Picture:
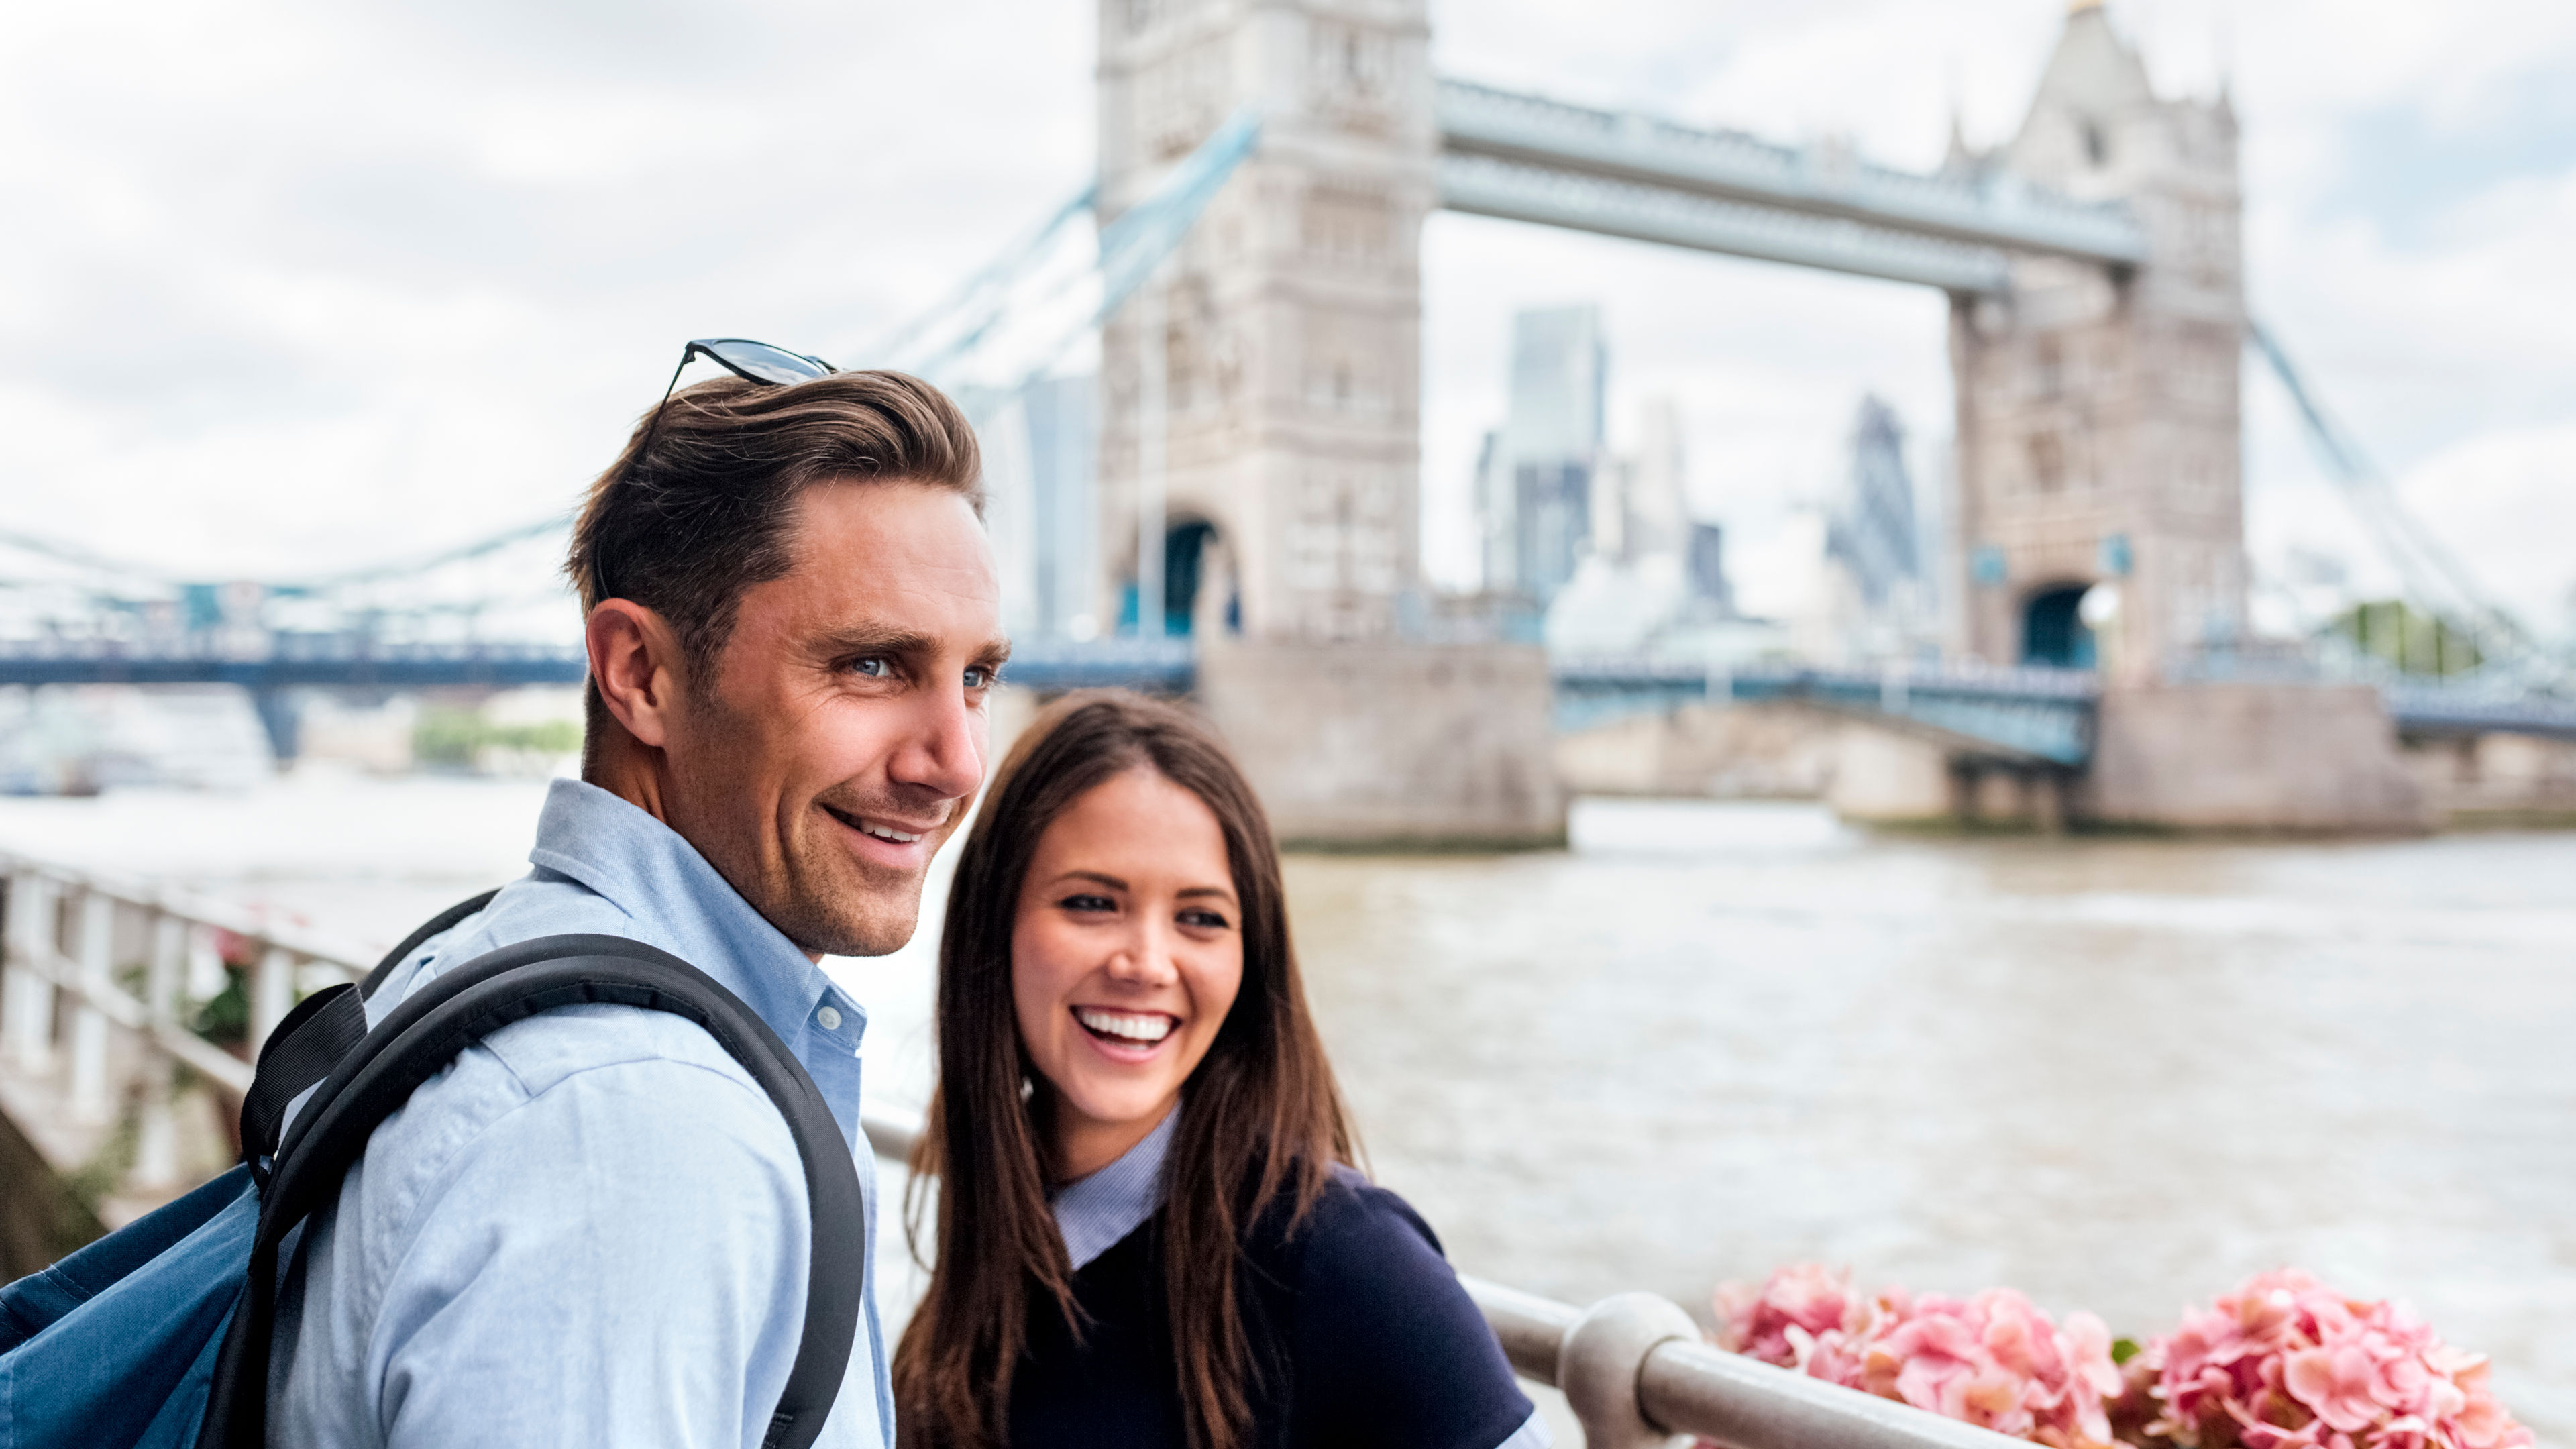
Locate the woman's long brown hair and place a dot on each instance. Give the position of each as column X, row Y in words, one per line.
column 1261, row 1116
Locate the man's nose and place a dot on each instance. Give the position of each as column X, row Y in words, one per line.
column 944, row 755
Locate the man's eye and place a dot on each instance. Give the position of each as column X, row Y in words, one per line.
column 1088, row 903
column 872, row 668
column 978, row 677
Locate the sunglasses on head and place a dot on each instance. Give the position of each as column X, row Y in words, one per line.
column 744, row 358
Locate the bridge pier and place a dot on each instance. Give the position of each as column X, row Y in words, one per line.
column 1391, row 745
column 1891, row 776
column 2017, row 794
column 2259, row 756
column 281, row 715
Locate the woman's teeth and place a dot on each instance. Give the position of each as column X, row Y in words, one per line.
column 1138, row 1026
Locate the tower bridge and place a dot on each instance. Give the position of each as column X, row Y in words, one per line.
column 1262, row 388
column 1265, row 170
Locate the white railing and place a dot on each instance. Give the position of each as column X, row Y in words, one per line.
column 1633, row 1368
column 95, row 1009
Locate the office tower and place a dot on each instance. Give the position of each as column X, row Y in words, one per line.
column 1537, row 478
column 1872, row 532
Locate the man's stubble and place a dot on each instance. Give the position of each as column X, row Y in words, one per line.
column 794, row 871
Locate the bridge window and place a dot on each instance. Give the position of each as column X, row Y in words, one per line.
column 2054, row 635
column 2097, row 144
column 2047, row 462
column 2047, row 368
column 1185, row 547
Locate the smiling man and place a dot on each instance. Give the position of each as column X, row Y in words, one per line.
column 592, row 1229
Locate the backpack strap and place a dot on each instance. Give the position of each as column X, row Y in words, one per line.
column 444, row 921
column 316, row 1036
column 426, row 1031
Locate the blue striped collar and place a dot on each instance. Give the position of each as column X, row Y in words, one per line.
column 1095, row 1212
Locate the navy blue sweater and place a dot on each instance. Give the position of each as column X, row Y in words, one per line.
column 1361, row 1336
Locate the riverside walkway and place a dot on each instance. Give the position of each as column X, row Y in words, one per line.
column 111, row 1083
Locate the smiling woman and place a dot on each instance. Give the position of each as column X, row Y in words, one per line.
column 1150, row 1231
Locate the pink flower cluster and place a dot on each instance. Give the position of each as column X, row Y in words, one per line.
column 1992, row 1360
column 2282, row 1363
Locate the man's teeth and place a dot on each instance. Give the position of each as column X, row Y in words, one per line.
column 882, row 833
column 1133, row 1025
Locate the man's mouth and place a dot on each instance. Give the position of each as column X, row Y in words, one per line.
column 1139, row 1028
column 878, row 828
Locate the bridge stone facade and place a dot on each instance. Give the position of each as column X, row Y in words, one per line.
column 1286, row 373
column 2098, row 408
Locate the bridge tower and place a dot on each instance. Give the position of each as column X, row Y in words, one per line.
column 2097, row 412
column 1279, row 405
column 1261, row 394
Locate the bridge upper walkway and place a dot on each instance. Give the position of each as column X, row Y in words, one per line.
column 1619, row 173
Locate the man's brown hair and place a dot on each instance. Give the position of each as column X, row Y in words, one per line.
column 704, row 513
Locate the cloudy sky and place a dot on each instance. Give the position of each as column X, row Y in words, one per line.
column 294, row 287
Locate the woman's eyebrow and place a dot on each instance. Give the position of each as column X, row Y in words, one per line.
column 1220, row 892
column 1096, row 877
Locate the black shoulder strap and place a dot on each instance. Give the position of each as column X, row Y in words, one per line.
column 312, row 1039
column 444, row 921
column 461, row 1007
column 300, row 1051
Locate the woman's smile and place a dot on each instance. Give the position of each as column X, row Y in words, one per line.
column 1127, row 1036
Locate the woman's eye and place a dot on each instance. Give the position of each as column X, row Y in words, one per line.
column 1204, row 920
column 1088, row 903
column 871, row 668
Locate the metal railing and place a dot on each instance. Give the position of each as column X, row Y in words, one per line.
column 1636, row 1370
column 83, row 1025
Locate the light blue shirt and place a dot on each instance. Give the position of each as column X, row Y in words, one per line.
column 1094, row 1212
column 592, row 1228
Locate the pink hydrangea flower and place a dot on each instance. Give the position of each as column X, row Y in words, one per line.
column 2283, row 1363
column 1993, row 1360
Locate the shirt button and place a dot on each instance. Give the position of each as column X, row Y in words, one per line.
column 828, row 1019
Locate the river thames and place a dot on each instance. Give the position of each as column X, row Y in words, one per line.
column 2119, row 1074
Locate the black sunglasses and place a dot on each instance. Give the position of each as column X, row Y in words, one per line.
column 744, row 358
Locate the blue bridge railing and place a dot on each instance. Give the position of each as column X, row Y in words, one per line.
column 2025, row 716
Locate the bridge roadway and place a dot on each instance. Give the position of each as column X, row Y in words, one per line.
column 2026, row 716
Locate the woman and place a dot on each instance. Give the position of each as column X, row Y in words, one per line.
column 1149, row 1229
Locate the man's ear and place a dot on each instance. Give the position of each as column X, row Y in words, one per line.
column 635, row 662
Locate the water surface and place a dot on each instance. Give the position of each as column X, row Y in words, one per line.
column 1710, row 1038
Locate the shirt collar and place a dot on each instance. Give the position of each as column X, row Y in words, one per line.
column 1095, row 1212
column 679, row 902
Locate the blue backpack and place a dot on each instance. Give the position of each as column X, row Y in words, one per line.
column 157, row 1335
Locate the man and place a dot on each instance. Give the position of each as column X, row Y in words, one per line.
column 592, row 1228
